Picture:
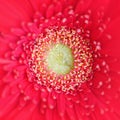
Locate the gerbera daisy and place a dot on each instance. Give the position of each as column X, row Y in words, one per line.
column 59, row 60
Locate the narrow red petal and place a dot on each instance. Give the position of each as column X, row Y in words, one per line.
column 12, row 12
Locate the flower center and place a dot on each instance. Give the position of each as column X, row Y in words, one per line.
column 60, row 59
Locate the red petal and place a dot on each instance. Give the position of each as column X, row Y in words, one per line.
column 82, row 5
column 13, row 12
column 111, row 42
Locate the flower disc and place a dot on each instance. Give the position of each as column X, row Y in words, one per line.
column 61, row 59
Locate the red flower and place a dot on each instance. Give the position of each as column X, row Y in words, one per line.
column 59, row 60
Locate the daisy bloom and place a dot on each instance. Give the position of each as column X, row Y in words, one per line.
column 59, row 60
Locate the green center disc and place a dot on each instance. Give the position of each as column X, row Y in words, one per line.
column 60, row 59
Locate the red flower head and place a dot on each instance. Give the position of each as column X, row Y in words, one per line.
column 59, row 60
